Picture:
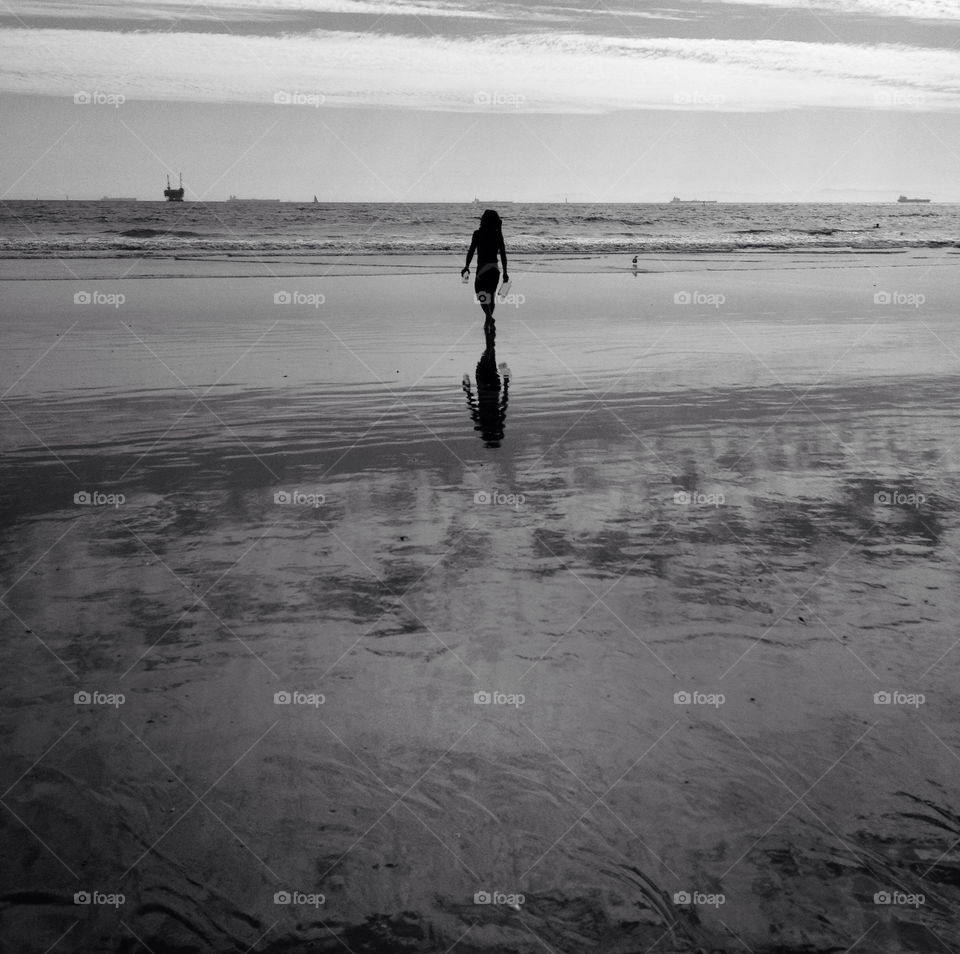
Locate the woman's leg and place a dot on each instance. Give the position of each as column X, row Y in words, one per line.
column 485, row 287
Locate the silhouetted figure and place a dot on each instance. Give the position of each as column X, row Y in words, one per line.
column 488, row 244
column 489, row 408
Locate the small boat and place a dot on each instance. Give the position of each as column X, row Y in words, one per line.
column 903, row 198
column 315, row 199
column 171, row 194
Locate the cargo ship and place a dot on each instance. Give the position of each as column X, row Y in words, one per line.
column 903, row 198
column 676, row 200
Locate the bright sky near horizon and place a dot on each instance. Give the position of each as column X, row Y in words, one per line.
column 418, row 100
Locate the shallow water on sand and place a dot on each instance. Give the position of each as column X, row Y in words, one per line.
column 678, row 553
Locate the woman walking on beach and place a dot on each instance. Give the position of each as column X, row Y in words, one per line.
column 487, row 243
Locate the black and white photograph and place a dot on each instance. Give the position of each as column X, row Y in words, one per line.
column 480, row 478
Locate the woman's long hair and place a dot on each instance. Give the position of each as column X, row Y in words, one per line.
column 490, row 222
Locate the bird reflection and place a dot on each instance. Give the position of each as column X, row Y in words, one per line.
column 488, row 407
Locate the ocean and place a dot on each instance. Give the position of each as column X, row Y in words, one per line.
column 251, row 228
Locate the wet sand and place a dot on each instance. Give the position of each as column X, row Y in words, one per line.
column 708, row 532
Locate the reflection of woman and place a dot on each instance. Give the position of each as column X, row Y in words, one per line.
column 488, row 409
column 488, row 244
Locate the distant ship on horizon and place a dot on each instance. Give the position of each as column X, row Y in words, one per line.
column 676, row 200
column 119, row 198
column 234, row 198
column 171, row 194
column 903, row 198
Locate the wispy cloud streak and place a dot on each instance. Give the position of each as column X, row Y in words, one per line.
column 537, row 72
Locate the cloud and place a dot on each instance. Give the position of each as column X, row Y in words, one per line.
column 912, row 9
column 522, row 72
column 241, row 10
column 230, row 11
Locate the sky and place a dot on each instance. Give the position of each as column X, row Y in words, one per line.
column 447, row 100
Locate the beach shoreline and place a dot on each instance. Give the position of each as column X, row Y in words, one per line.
column 148, row 263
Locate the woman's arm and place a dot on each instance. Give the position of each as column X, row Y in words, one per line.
column 473, row 248
column 503, row 258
